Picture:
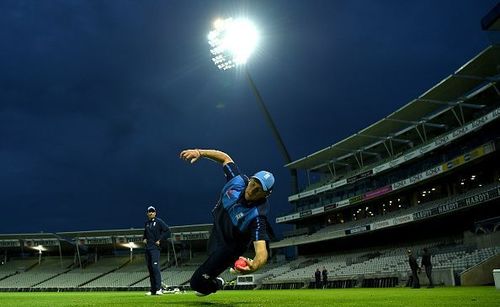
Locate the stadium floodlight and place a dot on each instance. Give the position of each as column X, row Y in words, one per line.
column 39, row 248
column 232, row 41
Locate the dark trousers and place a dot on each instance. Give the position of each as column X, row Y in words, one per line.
column 415, row 282
column 153, row 262
column 428, row 272
column 204, row 278
column 318, row 283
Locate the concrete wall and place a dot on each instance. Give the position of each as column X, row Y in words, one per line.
column 481, row 274
column 440, row 277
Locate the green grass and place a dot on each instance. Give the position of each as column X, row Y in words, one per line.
column 456, row 296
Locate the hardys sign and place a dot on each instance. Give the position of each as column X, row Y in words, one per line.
column 478, row 198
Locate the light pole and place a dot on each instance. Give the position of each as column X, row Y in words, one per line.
column 232, row 41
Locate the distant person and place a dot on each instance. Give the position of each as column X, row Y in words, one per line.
column 240, row 218
column 155, row 230
column 415, row 283
column 426, row 263
column 317, row 278
column 324, row 274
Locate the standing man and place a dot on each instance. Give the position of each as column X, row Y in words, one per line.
column 426, row 262
column 317, row 278
column 155, row 230
column 414, row 269
column 325, row 277
column 240, row 218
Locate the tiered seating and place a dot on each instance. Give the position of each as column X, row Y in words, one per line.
column 178, row 276
column 271, row 271
column 331, row 263
column 48, row 268
column 16, row 265
column 386, row 265
column 78, row 277
column 117, row 272
column 390, row 262
column 462, row 261
column 338, row 229
column 125, row 276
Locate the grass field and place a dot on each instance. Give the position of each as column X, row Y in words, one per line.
column 457, row 296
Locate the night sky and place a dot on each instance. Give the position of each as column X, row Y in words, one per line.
column 97, row 98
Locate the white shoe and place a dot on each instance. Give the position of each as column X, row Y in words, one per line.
column 159, row 292
column 222, row 281
column 148, row 293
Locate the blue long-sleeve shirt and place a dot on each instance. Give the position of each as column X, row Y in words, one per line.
column 155, row 230
column 238, row 223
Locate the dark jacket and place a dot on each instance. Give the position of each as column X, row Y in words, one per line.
column 413, row 263
column 155, row 230
column 426, row 259
column 317, row 275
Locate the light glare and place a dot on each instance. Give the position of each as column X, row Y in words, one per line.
column 232, row 41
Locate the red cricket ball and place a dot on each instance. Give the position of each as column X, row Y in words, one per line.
column 240, row 264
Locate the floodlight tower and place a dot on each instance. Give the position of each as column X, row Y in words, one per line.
column 232, row 41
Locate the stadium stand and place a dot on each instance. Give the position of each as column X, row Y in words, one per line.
column 423, row 170
column 80, row 277
column 101, row 260
column 16, row 266
column 37, row 273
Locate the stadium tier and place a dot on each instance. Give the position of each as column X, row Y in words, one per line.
column 431, row 162
column 346, row 269
column 428, row 170
column 98, row 259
